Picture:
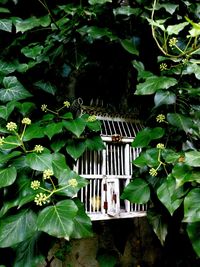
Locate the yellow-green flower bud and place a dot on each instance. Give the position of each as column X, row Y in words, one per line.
column 35, row 184
column 92, row 118
column 66, row 104
column 41, row 199
column 38, row 148
column 44, row 107
column 160, row 146
column 26, row 121
column 173, row 41
column 47, row 174
column 11, row 126
column 153, row 172
column 160, row 118
column 163, row 66
column 73, row 182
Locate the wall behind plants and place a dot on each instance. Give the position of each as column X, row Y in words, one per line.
column 51, row 54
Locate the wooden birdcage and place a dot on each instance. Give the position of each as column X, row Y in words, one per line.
column 108, row 171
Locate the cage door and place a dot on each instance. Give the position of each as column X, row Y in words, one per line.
column 111, row 196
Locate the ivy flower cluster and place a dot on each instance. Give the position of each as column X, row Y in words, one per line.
column 11, row 126
column 92, row 118
column 44, row 107
column 47, row 174
column 163, row 66
column 73, row 182
column 41, row 199
column 153, row 172
column 26, row 121
column 35, row 184
column 173, row 41
column 38, row 148
column 160, row 118
column 160, row 146
column 66, row 104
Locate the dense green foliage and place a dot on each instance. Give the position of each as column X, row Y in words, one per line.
column 48, row 48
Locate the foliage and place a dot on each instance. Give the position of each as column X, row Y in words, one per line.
column 45, row 46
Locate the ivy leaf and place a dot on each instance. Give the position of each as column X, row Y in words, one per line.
column 129, row 47
column 46, row 86
column 8, row 176
column 137, row 191
column 175, row 29
column 52, row 129
column 99, row 2
column 6, row 67
column 164, row 98
column 12, row 142
column 170, row 8
column 39, row 162
column 193, row 230
column 26, row 107
column 95, row 143
column 142, row 73
column 59, row 164
column 58, row 144
column 184, row 173
column 192, row 158
column 6, row 110
column 191, row 206
column 145, row 136
column 75, row 148
column 153, row 84
column 148, row 158
column 82, row 223
column 57, row 220
column 158, row 223
column 32, row 51
column 126, row 10
column 14, row 90
column 17, row 228
column 76, row 126
column 33, row 131
column 6, row 25
column 180, row 121
column 169, row 195
column 193, row 68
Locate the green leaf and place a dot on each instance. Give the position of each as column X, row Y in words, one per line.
column 82, row 223
column 164, row 98
column 46, row 86
column 59, row 164
column 169, row 7
column 158, row 223
column 14, row 90
column 130, row 47
column 180, row 121
column 145, row 136
column 7, row 156
column 94, row 125
column 192, row 158
column 6, row 110
column 98, row 2
column 52, row 129
column 184, row 173
column 63, row 181
column 153, row 84
column 193, row 68
column 107, row 260
column 148, row 158
column 39, row 162
column 32, row 51
column 11, row 142
column 6, row 67
column 7, row 176
column 191, row 206
column 6, row 25
column 137, row 191
column 33, row 131
column 57, row 220
column 126, row 11
column 58, row 144
column 76, row 126
column 193, row 230
column 75, row 148
column 169, row 195
column 95, row 143
column 17, row 228
column 95, row 32
column 175, row 29
column 142, row 74
column 31, row 22
column 25, row 108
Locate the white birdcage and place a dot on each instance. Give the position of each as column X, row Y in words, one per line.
column 108, row 171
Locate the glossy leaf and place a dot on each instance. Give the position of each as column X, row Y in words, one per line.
column 52, row 129
column 164, row 98
column 59, row 164
column 14, row 90
column 193, row 230
column 33, row 131
column 191, row 206
column 6, row 67
column 7, row 176
column 192, row 158
column 144, row 137
column 129, row 47
column 169, row 195
column 39, row 162
column 57, row 220
column 175, row 29
column 46, row 86
column 153, row 84
column 6, row 110
column 32, row 51
column 75, row 148
column 17, row 228
column 137, row 191
column 158, row 223
column 82, row 223
column 100, row 2
column 76, row 126
column 180, row 121
column 6, row 25
column 95, row 143
column 148, row 158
